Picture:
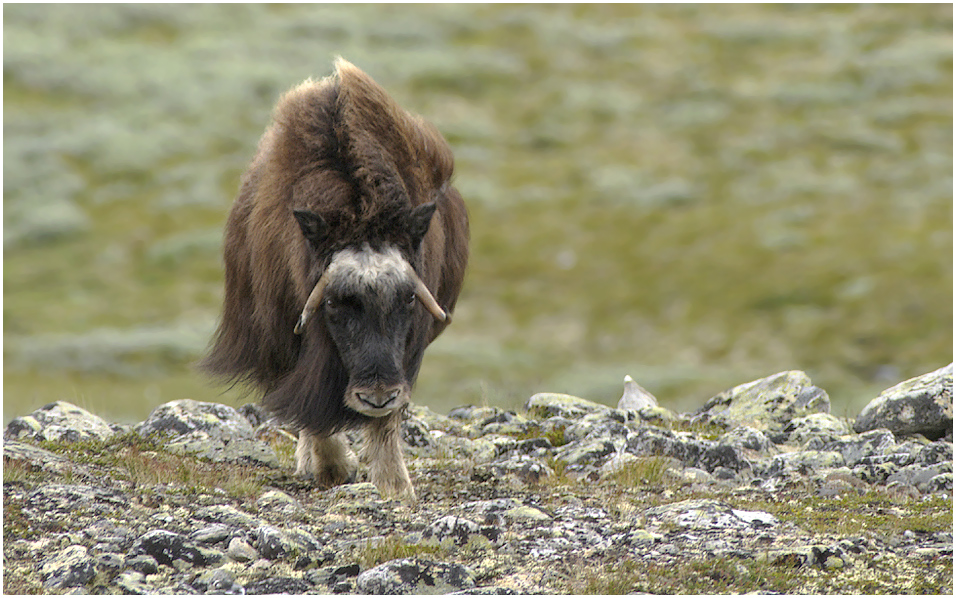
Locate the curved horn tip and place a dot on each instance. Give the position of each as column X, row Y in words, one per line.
column 300, row 325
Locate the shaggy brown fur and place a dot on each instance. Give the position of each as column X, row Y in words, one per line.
column 343, row 149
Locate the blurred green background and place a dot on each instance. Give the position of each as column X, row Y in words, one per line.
column 696, row 196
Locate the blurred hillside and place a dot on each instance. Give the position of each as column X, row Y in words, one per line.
column 696, row 196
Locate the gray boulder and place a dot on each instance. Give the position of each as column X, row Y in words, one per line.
column 207, row 430
column 707, row 514
column 59, row 422
column 545, row 404
column 67, row 569
column 766, row 404
column 415, row 576
column 921, row 405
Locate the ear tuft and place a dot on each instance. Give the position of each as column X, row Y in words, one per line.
column 419, row 220
column 313, row 226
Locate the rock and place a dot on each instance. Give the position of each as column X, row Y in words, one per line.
column 107, row 566
column 167, row 547
column 706, row 514
column 921, row 405
column 218, row 581
column 67, row 569
column 207, row 430
column 545, row 405
column 801, row 463
column 59, row 422
column 456, row 530
column 254, row 414
column 132, row 583
column 69, row 499
column 241, row 551
column 212, row 534
column 272, row 543
column 525, row 513
column 227, row 515
column 854, row 448
column 143, row 563
column 520, row 468
column 44, row 460
column 920, row 476
column 745, row 438
column 471, row 413
column 687, row 448
column 588, row 456
column 635, row 397
column 766, row 404
column 816, row 426
column 416, row 435
column 603, row 424
column 414, row 576
column 332, row 576
column 278, row 585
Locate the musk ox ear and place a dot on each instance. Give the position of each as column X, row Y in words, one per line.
column 418, row 222
column 313, row 226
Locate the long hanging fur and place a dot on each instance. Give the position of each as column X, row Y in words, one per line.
column 342, row 148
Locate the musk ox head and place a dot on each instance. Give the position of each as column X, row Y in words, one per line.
column 368, row 298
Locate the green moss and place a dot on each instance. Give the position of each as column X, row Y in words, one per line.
column 392, row 547
column 644, row 471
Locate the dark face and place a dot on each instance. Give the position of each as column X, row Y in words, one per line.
column 368, row 307
column 369, row 299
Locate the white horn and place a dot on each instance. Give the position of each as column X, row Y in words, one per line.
column 425, row 296
column 312, row 303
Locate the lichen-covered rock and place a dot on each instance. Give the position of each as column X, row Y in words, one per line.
column 276, row 500
column 218, row 581
column 920, row 476
column 706, row 514
column 241, row 551
column 766, row 404
column 167, row 547
column 42, row 459
column 545, row 405
column 603, row 424
column 589, row 455
column 456, row 530
column 921, row 405
column 73, row 499
column 745, row 438
column 69, row 568
column 59, row 422
column 278, row 585
column 818, row 426
column 227, row 515
column 854, row 448
column 207, row 430
column 801, row 463
column 524, row 469
column 415, row 576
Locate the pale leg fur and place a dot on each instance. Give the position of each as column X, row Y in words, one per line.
column 383, row 453
column 326, row 459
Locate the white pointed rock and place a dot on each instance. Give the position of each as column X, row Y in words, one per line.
column 635, row 397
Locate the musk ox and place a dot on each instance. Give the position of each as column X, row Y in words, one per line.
column 344, row 256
